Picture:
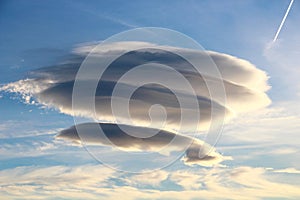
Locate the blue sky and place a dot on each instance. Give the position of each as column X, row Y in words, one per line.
column 263, row 144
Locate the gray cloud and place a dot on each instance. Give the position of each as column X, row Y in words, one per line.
column 245, row 86
column 60, row 96
column 164, row 142
column 245, row 90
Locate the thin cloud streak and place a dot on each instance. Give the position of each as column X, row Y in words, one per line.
column 283, row 20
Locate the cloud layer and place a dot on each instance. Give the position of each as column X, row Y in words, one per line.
column 95, row 182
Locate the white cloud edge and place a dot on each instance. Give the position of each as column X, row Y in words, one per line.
column 84, row 182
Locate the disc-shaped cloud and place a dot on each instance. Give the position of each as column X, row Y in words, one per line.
column 245, row 89
column 245, row 86
column 163, row 142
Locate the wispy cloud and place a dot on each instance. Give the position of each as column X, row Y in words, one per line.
column 288, row 170
column 97, row 182
column 102, row 15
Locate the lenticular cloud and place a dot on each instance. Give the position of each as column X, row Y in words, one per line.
column 114, row 135
column 245, row 89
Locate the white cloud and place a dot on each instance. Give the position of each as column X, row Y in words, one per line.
column 283, row 58
column 41, row 182
column 153, row 178
column 276, row 125
column 97, row 182
column 26, row 148
column 189, row 180
column 288, row 170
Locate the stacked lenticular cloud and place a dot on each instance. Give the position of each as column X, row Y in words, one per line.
column 245, row 89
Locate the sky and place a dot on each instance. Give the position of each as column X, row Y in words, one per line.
column 43, row 156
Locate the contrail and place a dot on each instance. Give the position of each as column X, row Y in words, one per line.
column 283, row 20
